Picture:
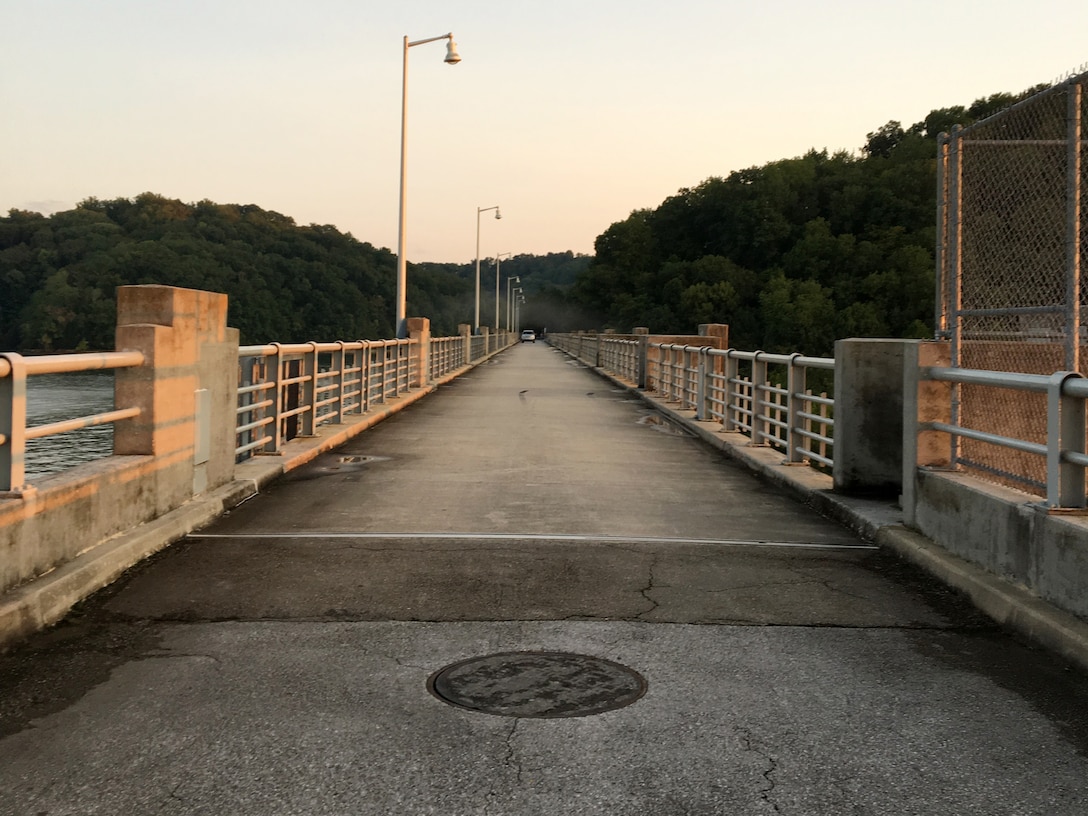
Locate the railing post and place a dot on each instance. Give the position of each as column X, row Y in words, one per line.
column 732, row 374
column 308, row 391
column 364, row 376
column 702, row 386
column 1064, row 432
column 277, row 398
column 759, row 385
column 923, row 401
column 13, row 426
column 795, row 387
column 339, row 362
column 643, row 335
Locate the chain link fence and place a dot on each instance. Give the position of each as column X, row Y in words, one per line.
column 1012, row 204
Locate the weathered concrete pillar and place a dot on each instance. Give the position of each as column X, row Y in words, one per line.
column 718, row 330
column 464, row 331
column 419, row 330
column 869, row 415
column 187, row 390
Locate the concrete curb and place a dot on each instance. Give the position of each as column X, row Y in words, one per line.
column 881, row 522
column 48, row 598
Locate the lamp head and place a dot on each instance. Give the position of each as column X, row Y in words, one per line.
column 498, row 214
column 452, row 57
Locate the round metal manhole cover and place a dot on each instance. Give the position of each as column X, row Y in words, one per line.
column 537, row 684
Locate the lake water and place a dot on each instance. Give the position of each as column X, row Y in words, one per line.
column 55, row 397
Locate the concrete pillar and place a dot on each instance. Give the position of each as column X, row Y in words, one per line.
column 187, row 390
column 464, row 331
column 869, row 416
column 716, row 330
column 419, row 330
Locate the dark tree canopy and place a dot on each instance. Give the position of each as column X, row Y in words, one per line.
column 793, row 254
column 286, row 282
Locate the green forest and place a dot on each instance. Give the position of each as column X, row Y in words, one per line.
column 286, row 282
column 792, row 255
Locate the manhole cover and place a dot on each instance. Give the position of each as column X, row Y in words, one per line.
column 537, row 684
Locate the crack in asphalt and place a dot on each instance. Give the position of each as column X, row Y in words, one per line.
column 509, row 762
column 766, row 793
column 650, row 587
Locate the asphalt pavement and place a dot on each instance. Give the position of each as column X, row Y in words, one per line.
column 289, row 658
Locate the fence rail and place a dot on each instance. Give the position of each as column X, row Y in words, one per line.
column 14, row 432
column 755, row 393
column 284, row 390
column 1063, row 452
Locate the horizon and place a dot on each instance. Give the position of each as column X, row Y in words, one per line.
column 568, row 117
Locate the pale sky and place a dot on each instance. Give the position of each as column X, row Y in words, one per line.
column 568, row 114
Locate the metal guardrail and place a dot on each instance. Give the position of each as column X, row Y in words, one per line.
column 1064, row 450
column 758, row 394
column 755, row 393
column 285, row 390
column 14, row 432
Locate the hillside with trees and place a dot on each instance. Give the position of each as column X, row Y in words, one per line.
column 793, row 254
column 286, row 282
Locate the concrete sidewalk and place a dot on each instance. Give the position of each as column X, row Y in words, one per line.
column 283, row 659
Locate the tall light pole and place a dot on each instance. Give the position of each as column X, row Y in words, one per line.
column 497, row 259
column 498, row 214
column 517, row 311
column 509, row 310
column 452, row 58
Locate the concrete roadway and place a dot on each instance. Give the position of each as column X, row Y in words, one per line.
column 277, row 662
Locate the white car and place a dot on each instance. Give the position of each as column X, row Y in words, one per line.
column 528, row 336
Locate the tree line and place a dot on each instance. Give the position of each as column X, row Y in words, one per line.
column 792, row 254
column 286, row 282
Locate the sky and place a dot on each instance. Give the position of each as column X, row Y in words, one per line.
column 567, row 114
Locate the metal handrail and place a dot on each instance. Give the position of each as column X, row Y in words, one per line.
column 14, row 371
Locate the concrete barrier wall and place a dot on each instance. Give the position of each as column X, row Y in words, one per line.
column 1008, row 533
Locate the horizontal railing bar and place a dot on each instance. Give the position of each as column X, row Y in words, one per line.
column 983, row 436
column 252, row 445
column 254, row 406
column 80, row 423
column 68, row 363
column 260, row 423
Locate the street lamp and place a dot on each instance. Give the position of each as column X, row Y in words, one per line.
column 452, row 58
column 509, row 310
column 498, row 215
column 497, row 258
column 518, row 298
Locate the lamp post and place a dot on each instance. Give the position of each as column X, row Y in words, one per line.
column 498, row 214
column 497, row 259
column 518, row 298
column 452, row 58
column 517, row 311
column 509, row 310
